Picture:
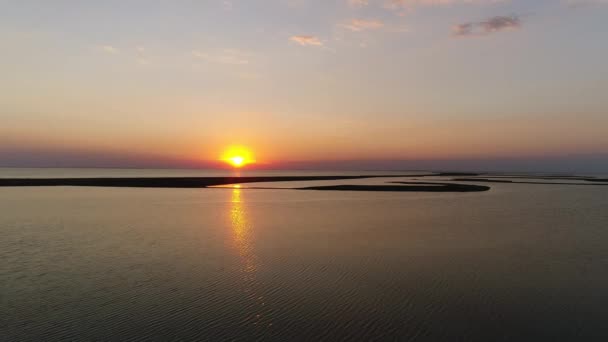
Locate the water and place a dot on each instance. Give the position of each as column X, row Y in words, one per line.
column 520, row 262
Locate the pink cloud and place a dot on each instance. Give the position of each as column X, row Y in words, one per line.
column 306, row 40
column 363, row 24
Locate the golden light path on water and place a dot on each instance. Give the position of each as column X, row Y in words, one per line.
column 242, row 238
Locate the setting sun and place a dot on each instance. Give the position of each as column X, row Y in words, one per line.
column 237, row 161
column 238, row 156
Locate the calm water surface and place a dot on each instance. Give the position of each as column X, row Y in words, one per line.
column 520, row 262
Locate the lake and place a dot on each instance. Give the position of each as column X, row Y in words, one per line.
column 518, row 262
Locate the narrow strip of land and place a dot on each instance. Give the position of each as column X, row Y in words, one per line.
column 561, row 178
column 204, row 182
column 486, row 180
column 408, row 186
column 171, row 182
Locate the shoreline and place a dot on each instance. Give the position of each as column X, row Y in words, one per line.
column 172, row 182
column 407, row 187
column 206, row 182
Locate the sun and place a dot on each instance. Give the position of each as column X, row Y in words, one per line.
column 238, row 156
column 237, row 161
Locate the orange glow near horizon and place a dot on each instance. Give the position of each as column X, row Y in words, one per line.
column 238, row 156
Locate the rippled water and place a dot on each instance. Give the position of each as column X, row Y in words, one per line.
column 520, row 262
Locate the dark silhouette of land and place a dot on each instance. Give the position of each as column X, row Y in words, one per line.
column 563, row 178
column 171, row 182
column 408, row 186
column 486, row 180
column 204, row 182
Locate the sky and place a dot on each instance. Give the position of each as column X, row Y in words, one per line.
column 371, row 84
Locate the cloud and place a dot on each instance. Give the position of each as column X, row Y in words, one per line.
column 225, row 56
column 495, row 24
column 358, row 3
column 411, row 4
column 109, row 49
column 463, row 29
column 363, row 24
column 407, row 3
column 491, row 25
column 583, row 3
column 306, row 40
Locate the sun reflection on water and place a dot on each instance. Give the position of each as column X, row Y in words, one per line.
column 242, row 238
column 241, row 230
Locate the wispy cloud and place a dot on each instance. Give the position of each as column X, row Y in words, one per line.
column 306, row 40
column 108, row 49
column 358, row 3
column 403, row 6
column 363, row 24
column 412, row 3
column 141, row 57
column 583, row 3
column 491, row 25
column 225, row 56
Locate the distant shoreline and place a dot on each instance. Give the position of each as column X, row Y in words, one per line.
column 410, row 186
column 173, row 182
column 205, row 182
